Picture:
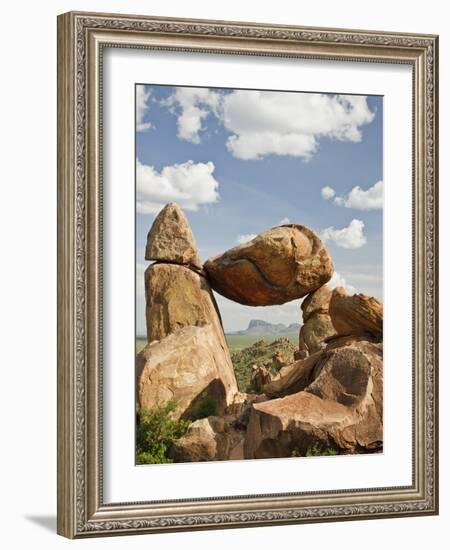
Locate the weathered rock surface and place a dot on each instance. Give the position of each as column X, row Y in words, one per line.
column 293, row 378
column 315, row 331
column 260, row 377
column 279, row 360
column 317, row 302
column 170, row 238
column 340, row 410
column 277, row 266
column 341, row 341
column 342, row 375
column 212, row 438
column 177, row 297
column 300, row 354
column 346, row 364
column 189, row 366
column 317, row 325
column 356, row 315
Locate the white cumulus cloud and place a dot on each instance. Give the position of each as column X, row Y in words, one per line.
column 360, row 199
column 285, row 221
column 327, row 192
column 279, row 123
column 190, row 185
column 347, row 237
column 142, row 105
column 338, row 280
column 285, row 123
column 194, row 104
column 242, row 239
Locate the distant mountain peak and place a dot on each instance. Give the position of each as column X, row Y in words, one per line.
column 260, row 327
column 258, row 323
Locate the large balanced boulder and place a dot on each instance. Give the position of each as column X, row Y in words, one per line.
column 190, row 366
column 340, row 411
column 170, row 239
column 279, row 265
column 356, row 315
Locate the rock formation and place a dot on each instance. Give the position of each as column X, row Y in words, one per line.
column 316, row 303
column 356, row 315
column 277, row 266
column 187, row 358
column 300, row 354
column 189, row 366
column 170, row 239
column 177, row 297
column 324, row 398
column 260, row 377
column 339, row 408
column 317, row 325
column 212, row 438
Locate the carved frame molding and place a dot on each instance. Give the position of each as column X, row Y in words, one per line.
column 81, row 39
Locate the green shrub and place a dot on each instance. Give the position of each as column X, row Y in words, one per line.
column 207, row 406
column 156, row 432
column 316, row 450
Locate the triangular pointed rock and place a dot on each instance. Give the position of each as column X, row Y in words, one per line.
column 170, row 239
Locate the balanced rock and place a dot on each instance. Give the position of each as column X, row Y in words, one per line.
column 340, row 411
column 170, row 239
column 212, row 438
column 356, row 315
column 190, row 366
column 279, row 265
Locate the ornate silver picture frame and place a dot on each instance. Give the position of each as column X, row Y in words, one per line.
column 82, row 40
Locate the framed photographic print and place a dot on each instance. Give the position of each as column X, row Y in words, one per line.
column 247, row 284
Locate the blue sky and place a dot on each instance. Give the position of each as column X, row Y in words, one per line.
column 241, row 161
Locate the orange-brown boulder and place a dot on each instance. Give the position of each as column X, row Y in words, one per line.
column 170, row 239
column 189, row 366
column 314, row 333
column 177, row 297
column 356, row 315
column 316, row 302
column 279, row 265
column 339, row 411
column 209, row 439
column 317, row 326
